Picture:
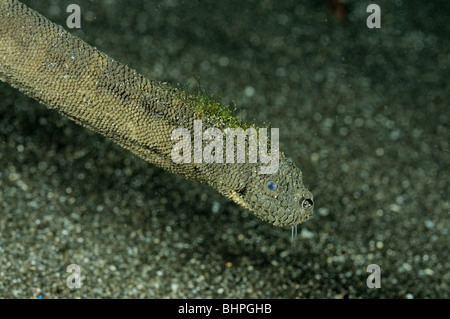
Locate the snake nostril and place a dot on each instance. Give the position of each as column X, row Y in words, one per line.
column 307, row 203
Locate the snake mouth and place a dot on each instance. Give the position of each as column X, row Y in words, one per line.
column 301, row 218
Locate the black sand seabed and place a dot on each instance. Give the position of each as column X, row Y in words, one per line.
column 363, row 112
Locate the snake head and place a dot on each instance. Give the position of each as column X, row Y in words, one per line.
column 279, row 198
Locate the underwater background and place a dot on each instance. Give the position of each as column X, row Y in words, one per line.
column 363, row 112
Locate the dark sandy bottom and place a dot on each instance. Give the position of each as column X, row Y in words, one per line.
column 364, row 113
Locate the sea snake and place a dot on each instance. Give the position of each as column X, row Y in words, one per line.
column 65, row 73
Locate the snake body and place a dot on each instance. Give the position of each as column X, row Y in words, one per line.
column 65, row 73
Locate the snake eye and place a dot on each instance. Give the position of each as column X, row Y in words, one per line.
column 307, row 203
column 271, row 186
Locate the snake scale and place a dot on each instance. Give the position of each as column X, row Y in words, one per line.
column 65, row 73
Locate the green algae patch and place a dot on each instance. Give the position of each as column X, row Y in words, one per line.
column 210, row 107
